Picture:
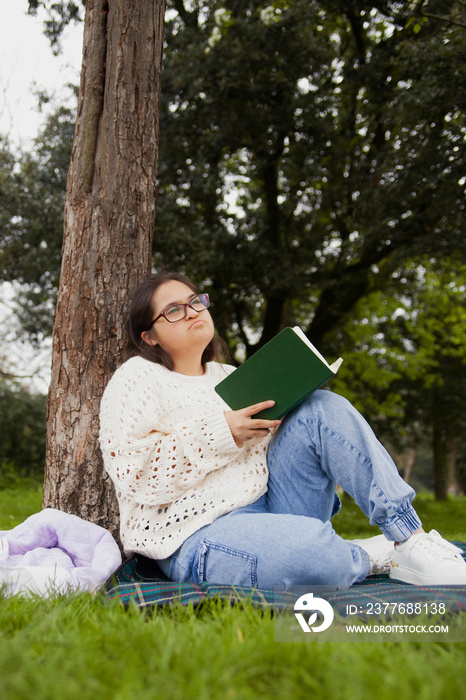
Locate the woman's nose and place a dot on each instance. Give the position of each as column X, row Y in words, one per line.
column 191, row 313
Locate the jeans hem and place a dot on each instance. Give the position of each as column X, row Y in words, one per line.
column 401, row 526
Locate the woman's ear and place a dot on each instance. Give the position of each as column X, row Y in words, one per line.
column 148, row 338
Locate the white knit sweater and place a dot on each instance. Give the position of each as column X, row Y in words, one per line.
column 169, row 450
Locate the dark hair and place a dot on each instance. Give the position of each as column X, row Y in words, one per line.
column 141, row 313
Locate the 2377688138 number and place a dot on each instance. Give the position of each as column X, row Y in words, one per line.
column 400, row 608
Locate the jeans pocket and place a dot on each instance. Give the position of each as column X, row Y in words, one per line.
column 220, row 564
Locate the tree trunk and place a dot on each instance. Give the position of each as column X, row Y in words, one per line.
column 109, row 220
column 439, row 445
column 453, row 482
column 407, row 460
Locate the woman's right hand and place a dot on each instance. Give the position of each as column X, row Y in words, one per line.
column 244, row 426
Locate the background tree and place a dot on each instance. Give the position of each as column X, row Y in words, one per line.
column 108, row 225
column 436, row 394
column 308, row 149
column 32, row 197
column 405, row 364
column 22, row 433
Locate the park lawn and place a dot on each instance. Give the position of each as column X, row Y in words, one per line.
column 18, row 503
column 74, row 647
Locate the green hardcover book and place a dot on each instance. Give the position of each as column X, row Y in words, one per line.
column 286, row 370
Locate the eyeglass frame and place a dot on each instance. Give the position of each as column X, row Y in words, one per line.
column 188, row 303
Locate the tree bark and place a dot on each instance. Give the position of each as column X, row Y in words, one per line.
column 406, row 461
column 453, row 482
column 109, row 220
column 439, row 446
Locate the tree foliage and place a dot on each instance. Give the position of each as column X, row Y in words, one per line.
column 22, row 431
column 311, row 171
column 32, row 195
column 58, row 15
column 406, row 362
column 307, row 148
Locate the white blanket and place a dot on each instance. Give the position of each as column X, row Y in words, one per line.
column 53, row 552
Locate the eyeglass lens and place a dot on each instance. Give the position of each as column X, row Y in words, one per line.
column 178, row 311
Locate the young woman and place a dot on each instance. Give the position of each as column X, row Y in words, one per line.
column 222, row 496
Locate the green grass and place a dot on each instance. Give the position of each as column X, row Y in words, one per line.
column 17, row 503
column 74, row 647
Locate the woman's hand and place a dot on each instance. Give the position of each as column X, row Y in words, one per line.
column 244, row 427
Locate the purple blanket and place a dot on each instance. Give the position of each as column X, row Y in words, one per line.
column 53, row 552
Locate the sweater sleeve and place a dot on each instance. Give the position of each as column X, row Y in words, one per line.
column 152, row 462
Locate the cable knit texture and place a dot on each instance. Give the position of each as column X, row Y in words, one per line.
column 169, row 450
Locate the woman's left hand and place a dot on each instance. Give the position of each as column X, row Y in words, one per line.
column 244, row 427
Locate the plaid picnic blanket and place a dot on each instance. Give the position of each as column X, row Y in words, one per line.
column 139, row 581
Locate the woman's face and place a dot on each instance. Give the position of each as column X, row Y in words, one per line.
column 185, row 339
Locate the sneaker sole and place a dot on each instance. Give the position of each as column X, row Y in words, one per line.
column 400, row 573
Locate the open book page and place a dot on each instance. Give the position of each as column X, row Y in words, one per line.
column 333, row 367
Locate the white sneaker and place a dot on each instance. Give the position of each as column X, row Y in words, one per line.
column 380, row 551
column 426, row 559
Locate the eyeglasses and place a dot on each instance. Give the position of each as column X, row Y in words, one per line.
column 178, row 311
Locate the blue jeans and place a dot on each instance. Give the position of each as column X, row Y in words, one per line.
column 285, row 538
